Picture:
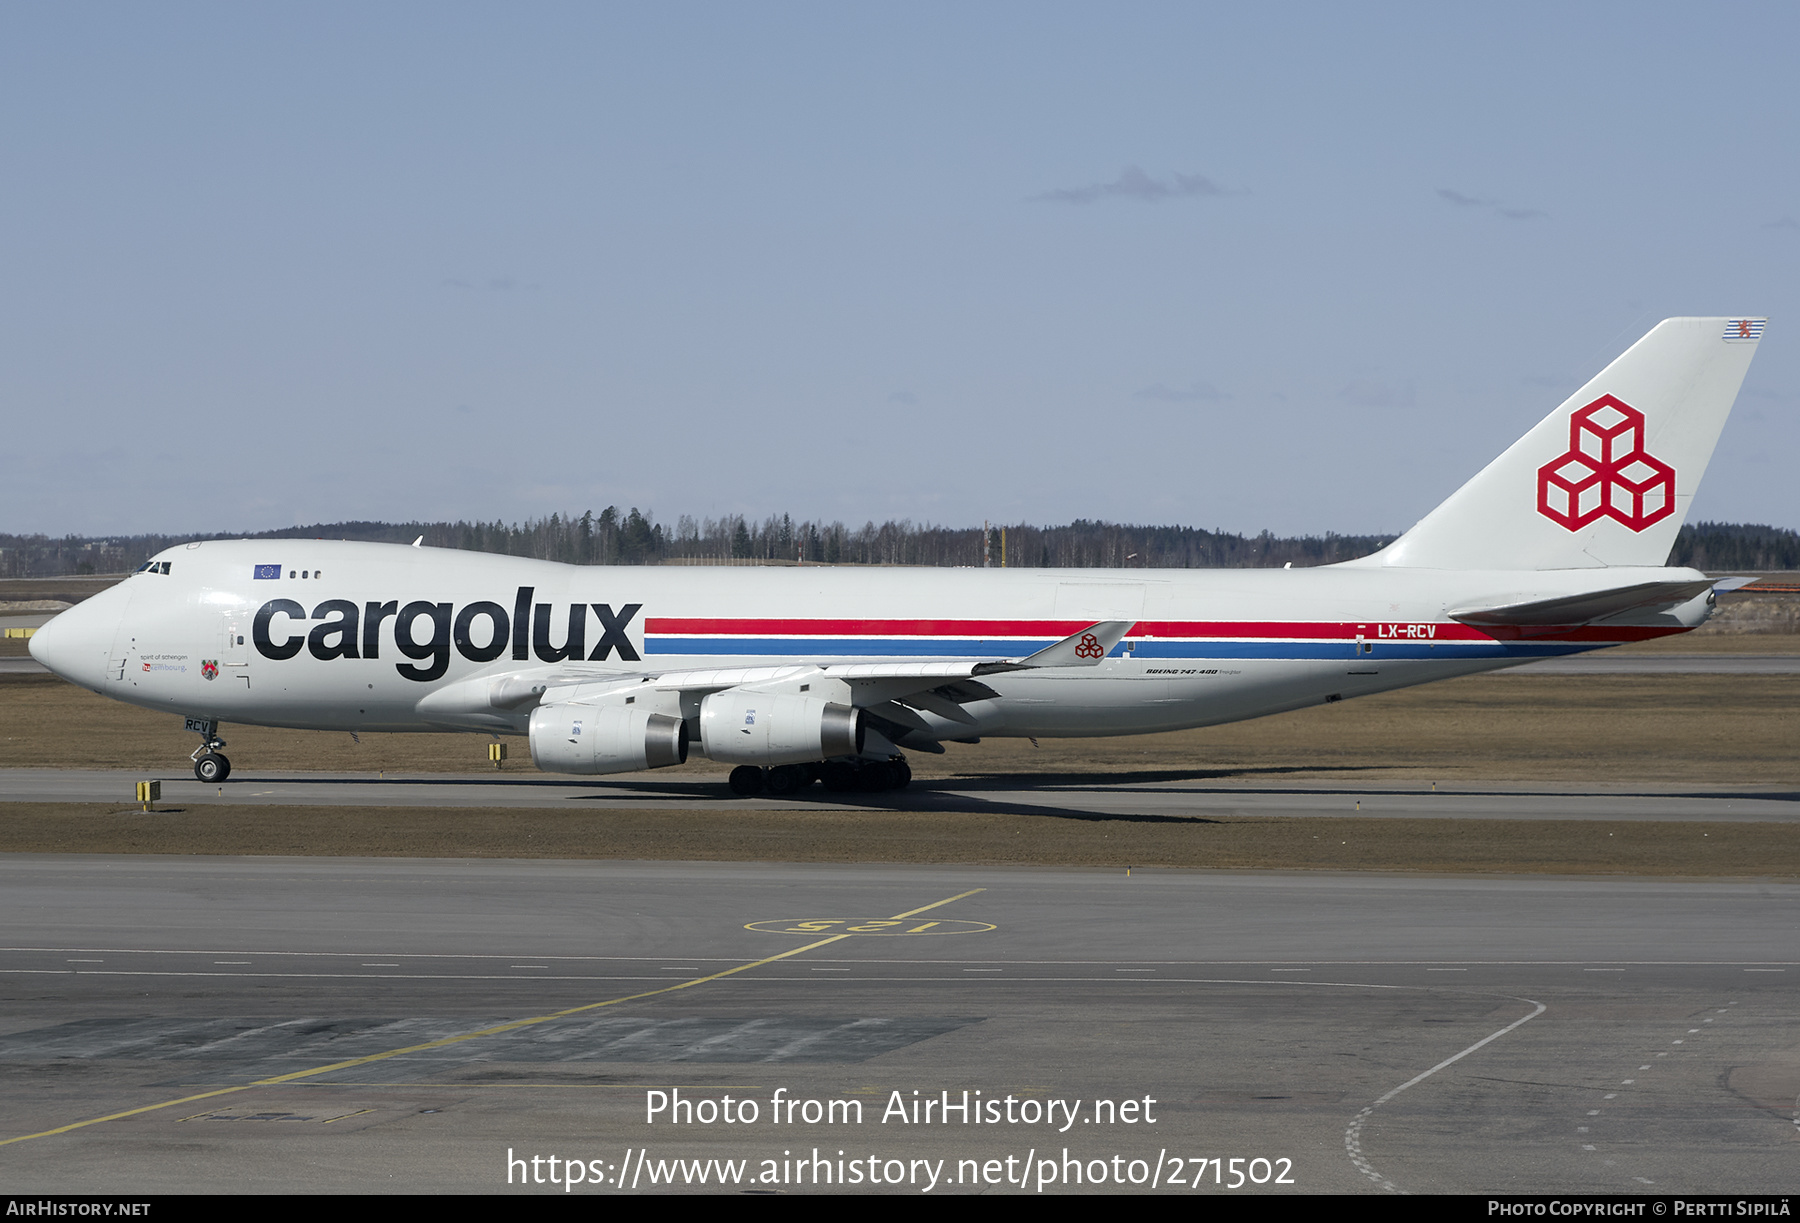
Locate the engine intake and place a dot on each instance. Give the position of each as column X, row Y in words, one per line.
column 764, row 729
column 605, row 739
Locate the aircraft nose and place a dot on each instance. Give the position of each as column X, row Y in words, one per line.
column 74, row 644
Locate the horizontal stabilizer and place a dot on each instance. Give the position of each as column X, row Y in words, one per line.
column 1583, row 608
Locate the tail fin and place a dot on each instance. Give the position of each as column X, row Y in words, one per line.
column 1607, row 478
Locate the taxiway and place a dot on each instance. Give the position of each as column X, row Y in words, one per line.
column 302, row 1025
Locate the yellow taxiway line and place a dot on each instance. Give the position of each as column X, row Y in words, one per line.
column 496, row 1030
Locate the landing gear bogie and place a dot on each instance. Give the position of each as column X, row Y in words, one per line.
column 838, row 776
column 874, row 776
column 787, row 779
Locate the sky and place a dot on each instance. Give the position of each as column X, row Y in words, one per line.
column 1303, row 268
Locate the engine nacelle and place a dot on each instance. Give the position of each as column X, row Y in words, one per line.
column 760, row 728
column 605, row 739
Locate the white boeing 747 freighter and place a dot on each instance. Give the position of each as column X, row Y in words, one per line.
column 794, row 674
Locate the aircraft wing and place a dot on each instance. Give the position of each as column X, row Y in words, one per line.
column 892, row 690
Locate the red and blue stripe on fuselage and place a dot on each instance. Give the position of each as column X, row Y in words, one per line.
column 819, row 639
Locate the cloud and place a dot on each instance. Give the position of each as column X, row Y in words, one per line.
column 1784, row 223
column 494, row 284
column 1134, row 184
column 1457, row 199
column 906, row 397
column 1197, row 392
column 1376, row 393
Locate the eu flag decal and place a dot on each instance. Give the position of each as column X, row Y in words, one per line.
column 266, row 571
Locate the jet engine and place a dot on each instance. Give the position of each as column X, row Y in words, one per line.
column 760, row 728
column 605, row 739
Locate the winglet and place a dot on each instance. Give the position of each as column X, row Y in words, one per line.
column 1083, row 649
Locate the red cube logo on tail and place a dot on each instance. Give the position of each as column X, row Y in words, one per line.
column 1606, row 472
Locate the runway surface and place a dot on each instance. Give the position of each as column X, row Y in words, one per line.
column 1351, row 1033
column 1095, row 794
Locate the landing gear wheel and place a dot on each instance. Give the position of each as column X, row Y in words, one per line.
column 838, row 776
column 902, row 773
column 746, row 780
column 209, row 765
column 874, row 776
column 785, row 779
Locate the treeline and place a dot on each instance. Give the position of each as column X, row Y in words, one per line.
column 1721, row 547
column 634, row 537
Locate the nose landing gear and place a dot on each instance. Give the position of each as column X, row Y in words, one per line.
column 209, row 765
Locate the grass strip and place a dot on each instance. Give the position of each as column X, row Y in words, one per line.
column 1552, row 847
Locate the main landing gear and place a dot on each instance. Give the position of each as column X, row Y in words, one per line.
column 209, row 765
column 839, row 776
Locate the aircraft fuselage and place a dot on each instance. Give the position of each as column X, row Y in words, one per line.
column 356, row 636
